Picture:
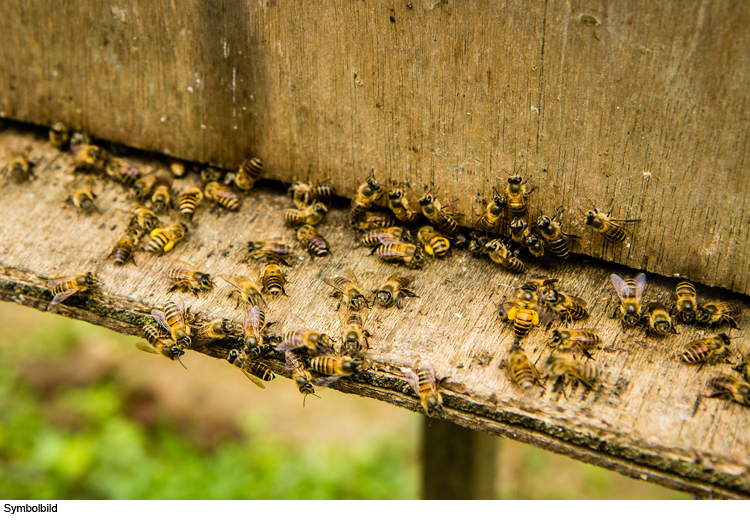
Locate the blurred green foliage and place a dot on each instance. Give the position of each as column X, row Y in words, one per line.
column 78, row 442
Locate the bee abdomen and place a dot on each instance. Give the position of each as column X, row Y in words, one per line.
column 249, row 173
column 158, row 241
column 614, row 233
column 523, row 322
column 121, row 255
column 259, row 370
column 274, row 284
column 560, row 247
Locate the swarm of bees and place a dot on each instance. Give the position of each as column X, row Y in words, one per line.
column 398, row 227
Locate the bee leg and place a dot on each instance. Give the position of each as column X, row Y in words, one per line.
column 614, row 314
column 731, row 321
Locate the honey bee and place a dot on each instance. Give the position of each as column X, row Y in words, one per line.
column 367, row 194
column 491, row 220
column 178, row 169
column 560, row 243
column 273, row 249
column 387, row 235
column 161, row 198
column 355, row 336
column 478, row 246
column 423, row 383
column 246, row 289
column 436, row 214
column 89, row 157
column 394, row 290
column 433, row 242
column 273, row 279
column 399, row 204
column 145, row 218
column 188, row 200
column 565, row 306
column 718, row 313
column 172, row 319
column 210, row 174
column 657, row 319
column 222, row 195
column 535, row 245
column 303, row 194
column 744, row 369
column 500, row 254
column 160, row 344
column 188, row 279
column 408, row 254
column 298, row 337
column 336, row 366
column 213, row 330
column 19, row 167
column 515, row 195
column 525, row 312
column 82, row 195
column 78, row 139
column 165, row 238
column 248, row 174
column 316, row 245
column 256, row 371
column 345, row 287
column 255, row 325
column 122, row 171
column 518, row 231
column 607, row 227
column 125, row 247
column 143, row 187
column 67, row 286
column 313, row 214
column 541, row 285
column 59, row 136
column 731, row 388
column 570, row 340
column 569, row 368
column 520, row 370
column 377, row 220
column 685, row 306
column 630, row 293
column 300, row 375
column 707, row 350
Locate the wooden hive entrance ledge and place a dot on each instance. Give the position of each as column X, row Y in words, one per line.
column 647, row 422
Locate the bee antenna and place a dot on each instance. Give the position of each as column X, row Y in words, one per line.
column 181, row 363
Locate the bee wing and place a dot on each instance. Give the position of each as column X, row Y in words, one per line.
column 621, row 287
column 254, row 379
column 545, row 314
column 56, row 282
column 252, row 320
column 60, row 297
column 412, row 380
column 640, row 286
column 141, row 345
column 578, row 300
column 574, row 241
column 159, row 317
column 333, row 284
column 181, row 264
column 237, row 281
column 327, row 381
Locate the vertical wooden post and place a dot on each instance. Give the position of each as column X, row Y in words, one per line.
column 457, row 463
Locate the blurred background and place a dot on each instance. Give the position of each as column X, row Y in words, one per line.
column 85, row 415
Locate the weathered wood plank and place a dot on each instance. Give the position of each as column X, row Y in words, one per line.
column 647, row 421
column 638, row 104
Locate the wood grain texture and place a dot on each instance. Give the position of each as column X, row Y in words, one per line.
column 638, row 104
column 646, row 422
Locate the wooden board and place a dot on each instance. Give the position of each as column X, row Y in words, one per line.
column 647, row 422
column 641, row 105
